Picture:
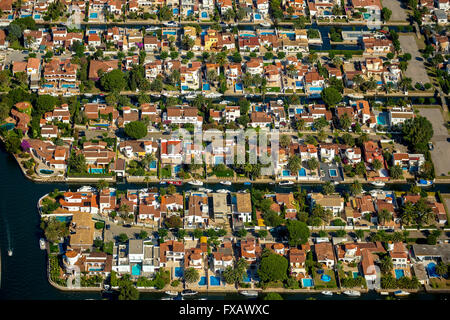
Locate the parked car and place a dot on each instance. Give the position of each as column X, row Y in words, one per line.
column 108, row 226
column 430, row 145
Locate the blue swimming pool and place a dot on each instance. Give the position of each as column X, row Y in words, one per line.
column 177, row 168
column 136, row 270
column 204, row 14
column 219, row 160
column 112, row 193
column 37, row 16
column 184, row 88
column 399, row 273
column 247, row 35
column 202, row 281
column 325, row 278
column 333, row 172
column 7, row 126
column 298, row 84
column 302, row 172
column 355, row 274
column 153, row 164
column 315, row 88
column 102, row 125
column 93, row 15
column 63, row 218
column 47, row 86
column 248, row 277
column 66, row 85
column 431, row 269
column 178, row 272
column 95, row 269
column 190, row 12
column 286, row 173
column 214, row 281
column 239, row 86
column 382, row 119
column 96, row 170
column 307, row 283
column 10, row 17
column 45, row 171
column 175, row 11
column 206, row 86
column 257, row 16
column 172, row 33
column 258, row 109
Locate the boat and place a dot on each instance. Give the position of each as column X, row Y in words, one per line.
column 265, row 24
column 213, row 95
column 227, row 183
column 191, row 96
column 249, row 293
column 223, row 191
column 225, row 102
column 166, row 298
column 401, row 293
column 335, row 183
column 286, row 183
column 188, row 292
column 247, row 183
column 195, row 183
column 42, row 243
column 172, row 293
column 10, row 252
column 356, row 96
column 175, row 182
column 424, row 183
column 205, row 190
column 384, row 293
column 163, row 182
column 352, row 293
column 378, row 183
column 87, row 189
column 327, row 293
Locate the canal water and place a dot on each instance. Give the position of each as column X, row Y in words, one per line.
column 23, row 275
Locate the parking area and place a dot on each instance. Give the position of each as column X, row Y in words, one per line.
column 440, row 139
column 416, row 69
column 397, row 8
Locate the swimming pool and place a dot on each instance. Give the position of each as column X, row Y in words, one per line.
column 102, row 125
column 112, row 193
column 307, row 283
column 93, row 15
column 333, row 172
column 298, row 84
column 190, row 12
column 177, row 168
column 175, row 11
column 258, row 109
column 239, row 86
column 218, row 160
column 37, row 16
column 298, row 110
column 257, row 16
column 366, row 15
column 95, row 269
column 247, row 35
column 355, row 274
column 382, row 119
column 178, row 272
column 96, row 170
column 45, row 171
column 286, row 173
column 136, row 270
column 63, row 218
column 202, row 281
column 184, row 88
column 302, row 172
column 172, row 33
column 214, row 281
column 325, row 278
column 68, row 85
column 204, row 14
column 315, row 88
column 431, row 269
column 47, row 86
column 206, row 86
column 153, row 164
column 399, row 273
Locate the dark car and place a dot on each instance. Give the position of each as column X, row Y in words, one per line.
column 108, row 227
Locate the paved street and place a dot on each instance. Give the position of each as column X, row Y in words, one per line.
column 416, row 69
column 440, row 140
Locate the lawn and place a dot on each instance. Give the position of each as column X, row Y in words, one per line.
column 319, row 284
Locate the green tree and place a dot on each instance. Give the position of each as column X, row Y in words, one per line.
column 273, row 268
column 127, row 290
column 273, row 296
column 113, row 81
column 417, row 132
column 136, row 129
column 331, row 96
column 328, row 188
column 298, row 232
column 191, row 275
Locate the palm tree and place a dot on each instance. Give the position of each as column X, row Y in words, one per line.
column 384, row 216
column 386, row 265
column 147, row 180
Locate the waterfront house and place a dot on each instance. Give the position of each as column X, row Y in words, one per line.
column 325, row 254
column 79, row 202
column 171, row 250
column 297, row 260
column 368, row 266
column 250, row 250
column 197, row 214
column 242, row 209
column 332, row 202
column 81, row 231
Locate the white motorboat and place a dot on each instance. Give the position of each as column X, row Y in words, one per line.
column 378, row 183
column 384, row 293
column 87, row 189
column 196, row 183
column 335, row 183
column 286, row 183
column 265, row 24
column 188, row 292
column 352, row 293
column 424, row 183
column 190, row 96
column 226, row 183
column 249, row 293
column 166, row 298
column 42, row 243
column 10, row 252
column 225, row 102
column 327, row 293
column 213, row 95
column 171, row 293
column 401, row 293
column 205, row 190
column 223, row 191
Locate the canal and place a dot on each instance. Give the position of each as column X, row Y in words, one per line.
column 23, row 275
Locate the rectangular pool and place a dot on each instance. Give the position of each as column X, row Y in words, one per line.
column 96, row 170
column 307, row 283
column 399, row 273
column 178, row 272
column 206, row 86
column 286, row 173
column 333, row 173
column 202, row 281
column 214, row 281
column 239, row 87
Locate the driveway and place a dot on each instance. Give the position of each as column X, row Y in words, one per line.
column 440, row 139
column 416, row 69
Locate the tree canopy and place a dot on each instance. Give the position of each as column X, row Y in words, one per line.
column 298, row 232
column 136, row 129
column 417, row 132
column 273, row 267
